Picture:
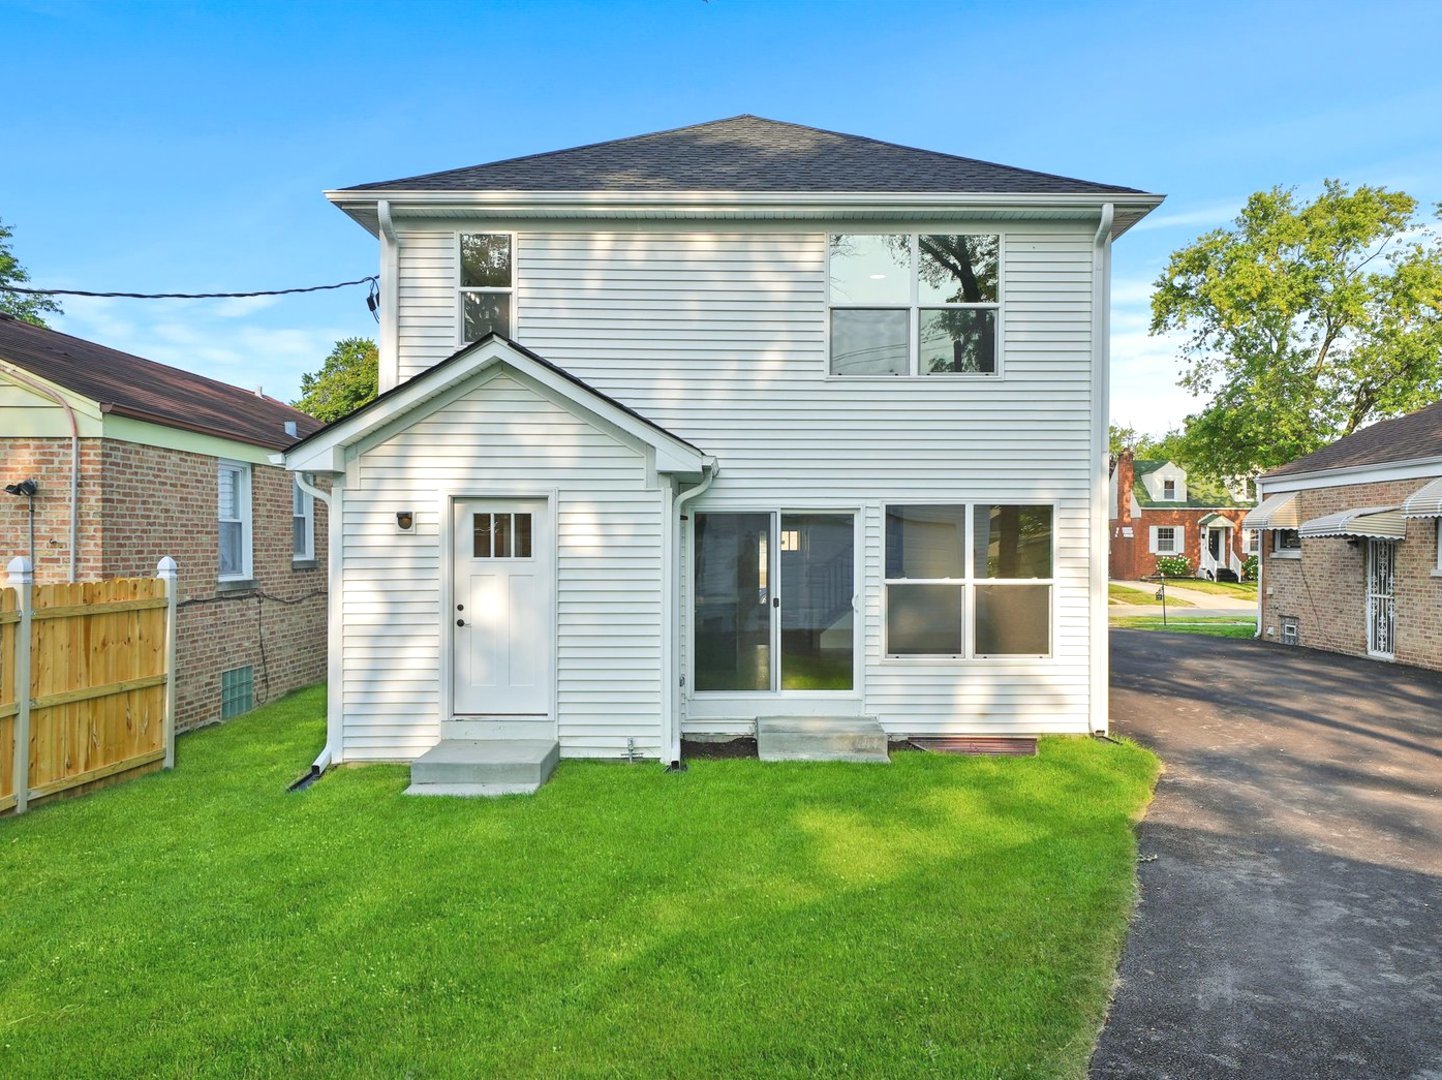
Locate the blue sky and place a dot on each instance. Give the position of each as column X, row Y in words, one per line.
column 184, row 146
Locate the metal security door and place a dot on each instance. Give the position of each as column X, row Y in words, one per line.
column 1381, row 603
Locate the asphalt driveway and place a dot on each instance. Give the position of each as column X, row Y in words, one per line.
column 1290, row 922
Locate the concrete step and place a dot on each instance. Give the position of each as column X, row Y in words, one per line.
column 484, row 767
column 821, row 738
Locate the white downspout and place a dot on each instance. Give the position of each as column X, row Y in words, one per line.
column 389, row 373
column 1101, row 416
column 1261, row 558
column 673, row 665
column 330, row 752
column 41, row 388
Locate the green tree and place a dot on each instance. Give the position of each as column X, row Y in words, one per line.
column 345, row 381
column 28, row 308
column 1304, row 322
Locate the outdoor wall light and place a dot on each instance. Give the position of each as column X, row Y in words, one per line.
column 25, row 488
column 405, row 521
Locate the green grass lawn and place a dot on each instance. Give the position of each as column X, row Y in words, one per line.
column 943, row 916
column 1242, row 590
column 1121, row 594
column 1233, row 628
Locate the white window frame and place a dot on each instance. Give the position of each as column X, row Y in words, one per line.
column 1278, row 551
column 243, row 478
column 968, row 583
column 1253, row 545
column 773, row 576
column 1169, row 495
column 1179, row 540
column 913, row 343
column 307, row 506
column 463, row 290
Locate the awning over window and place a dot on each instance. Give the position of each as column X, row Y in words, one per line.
column 1276, row 512
column 1425, row 502
column 1373, row 522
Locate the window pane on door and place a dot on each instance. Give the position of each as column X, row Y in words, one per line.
column 732, row 604
column 502, row 535
column 481, row 536
column 817, row 583
column 523, row 536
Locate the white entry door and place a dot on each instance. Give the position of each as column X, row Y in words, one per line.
column 1381, row 600
column 501, row 615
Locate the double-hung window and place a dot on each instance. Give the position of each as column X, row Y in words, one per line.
column 486, row 285
column 233, row 517
column 947, row 596
column 1166, row 541
column 302, row 523
column 1169, row 489
column 914, row 304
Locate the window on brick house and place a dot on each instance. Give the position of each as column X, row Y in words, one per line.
column 302, row 523
column 233, row 516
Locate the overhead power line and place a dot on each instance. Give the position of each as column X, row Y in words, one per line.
column 372, row 280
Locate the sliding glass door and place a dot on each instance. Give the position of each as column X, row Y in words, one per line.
column 773, row 601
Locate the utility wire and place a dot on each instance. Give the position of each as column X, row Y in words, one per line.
column 372, row 280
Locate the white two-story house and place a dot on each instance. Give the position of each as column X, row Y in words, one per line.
column 721, row 427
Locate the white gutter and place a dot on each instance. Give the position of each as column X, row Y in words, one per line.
column 1101, row 404
column 673, row 595
column 389, row 352
column 329, row 752
column 41, row 388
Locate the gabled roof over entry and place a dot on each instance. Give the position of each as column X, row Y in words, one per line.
column 325, row 451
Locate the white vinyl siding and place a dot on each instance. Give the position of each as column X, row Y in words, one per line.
column 720, row 336
column 503, row 438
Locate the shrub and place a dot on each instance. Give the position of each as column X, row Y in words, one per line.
column 1249, row 568
column 1174, row 566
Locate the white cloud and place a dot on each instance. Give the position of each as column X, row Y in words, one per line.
column 1219, row 213
column 1144, row 390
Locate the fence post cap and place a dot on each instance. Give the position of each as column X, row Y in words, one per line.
column 165, row 567
column 19, row 570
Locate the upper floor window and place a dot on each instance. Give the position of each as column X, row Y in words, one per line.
column 486, row 285
column 909, row 304
column 1169, row 489
column 233, row 517
column 302, row 523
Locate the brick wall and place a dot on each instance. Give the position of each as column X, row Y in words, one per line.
column 47, row 462
column 1326, row 589
column 163, row 502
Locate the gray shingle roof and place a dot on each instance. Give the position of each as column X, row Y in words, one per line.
column 747, row 153
column 1416, row 435
column 132, row 386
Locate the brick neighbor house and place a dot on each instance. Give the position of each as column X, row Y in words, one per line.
column 1351, row 560
column 1154, row 512
column 133, row 460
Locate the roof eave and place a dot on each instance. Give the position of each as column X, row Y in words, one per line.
column 360, row 205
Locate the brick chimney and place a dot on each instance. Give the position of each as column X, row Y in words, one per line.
column 1126, row 477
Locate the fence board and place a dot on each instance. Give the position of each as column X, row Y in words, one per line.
column 9, row 618
column 97, row 680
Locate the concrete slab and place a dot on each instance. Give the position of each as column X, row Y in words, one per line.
column 821, row 738
column 1291, row 897
column 505, row 765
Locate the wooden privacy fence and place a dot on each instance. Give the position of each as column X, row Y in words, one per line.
column 87, row 680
